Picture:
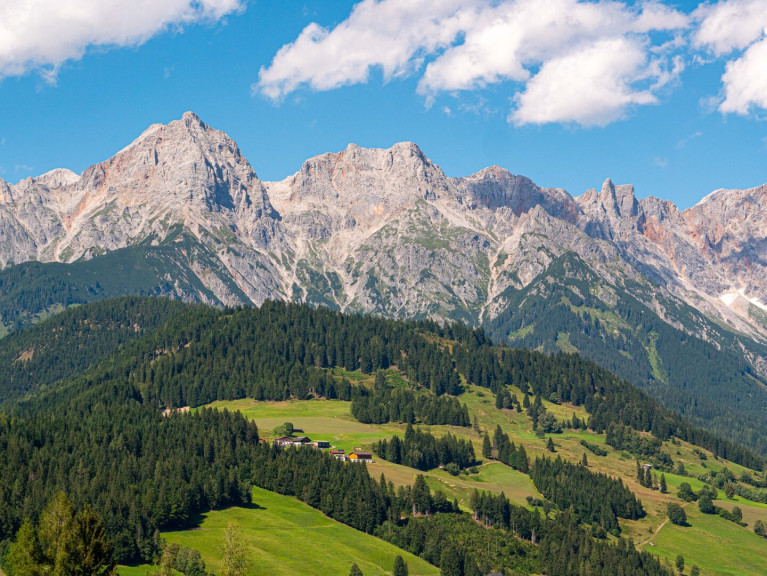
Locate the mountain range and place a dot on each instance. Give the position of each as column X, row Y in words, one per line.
column 669, row 299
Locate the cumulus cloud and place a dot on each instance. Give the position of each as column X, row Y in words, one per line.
column 43, row 34
column 745, row 81
column 392, row 34
column 737, row 29
column 565, row 60
column 590, row 86
column 730, row 24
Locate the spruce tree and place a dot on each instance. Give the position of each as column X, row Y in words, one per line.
column 487, row 449
column 663, row 487
column 355, row 570
column 585, row 460
column 550, row 445
column 450, row 563
column 400, row 567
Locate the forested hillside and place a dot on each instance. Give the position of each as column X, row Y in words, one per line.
column 96, row 380
column 708, row 382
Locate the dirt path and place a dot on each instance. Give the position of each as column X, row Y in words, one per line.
column 654, row 534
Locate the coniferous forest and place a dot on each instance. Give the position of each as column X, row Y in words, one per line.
column 86, row 409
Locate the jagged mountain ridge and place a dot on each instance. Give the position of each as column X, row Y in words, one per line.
column 180, row 212
column 379, row 230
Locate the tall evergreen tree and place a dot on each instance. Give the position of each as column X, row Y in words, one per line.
column 487, row 449
column 400, row 567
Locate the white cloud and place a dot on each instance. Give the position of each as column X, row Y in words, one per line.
column 591, row 86
column 43, row 34
column 555, row 50
column 745, row 81
column 392, row 34
column 730, row 25
column 726, row 29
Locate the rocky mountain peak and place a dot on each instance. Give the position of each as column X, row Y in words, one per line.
column 619, row 200
column 5, row 192
column 496, row 187
column 362, row 183
column 184, row 163
column 57, row 178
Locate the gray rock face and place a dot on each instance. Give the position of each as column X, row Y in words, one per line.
column 383, row 231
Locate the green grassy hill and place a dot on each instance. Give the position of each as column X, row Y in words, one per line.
column 717, row 546
column 101, row 375
column 285, row 536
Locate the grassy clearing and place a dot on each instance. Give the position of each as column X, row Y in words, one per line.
column 331, row 420
column 740, row 550
column 285, row 537
column 716, row 545
column 751, row 511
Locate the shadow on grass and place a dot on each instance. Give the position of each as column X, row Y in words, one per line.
column 195, row 520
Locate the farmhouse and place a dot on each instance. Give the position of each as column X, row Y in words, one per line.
column 338, row 454
column 284, row 441
column 360, row 457
column 301, row 440
column 321, row 444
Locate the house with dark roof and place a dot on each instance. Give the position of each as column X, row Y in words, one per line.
column 360, row 457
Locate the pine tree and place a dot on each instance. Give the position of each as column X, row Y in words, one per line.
column 663, row 487
column 585, row 460
column 450, row 563
column 400, row 567
column 550, row 445
column 355, row 570
column 487, row 449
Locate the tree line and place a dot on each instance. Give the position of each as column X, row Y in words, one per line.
column 421, row 450
column 593, row 497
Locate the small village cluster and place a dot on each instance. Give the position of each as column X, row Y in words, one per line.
column 337, row 453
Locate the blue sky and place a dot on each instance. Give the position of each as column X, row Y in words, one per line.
column 670, row 97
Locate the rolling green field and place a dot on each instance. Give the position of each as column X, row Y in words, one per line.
column 716, row 545
column 287, row 537
column 331, row 420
